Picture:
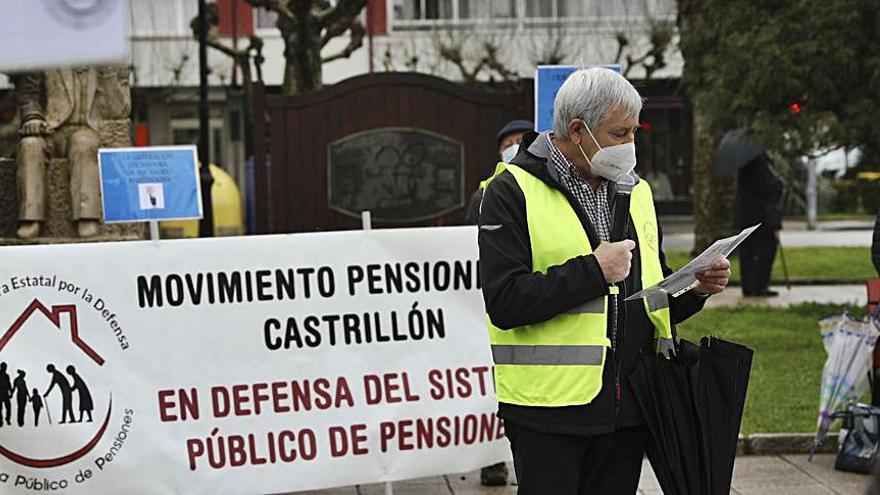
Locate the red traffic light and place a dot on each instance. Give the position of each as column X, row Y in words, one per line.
column 795, row 107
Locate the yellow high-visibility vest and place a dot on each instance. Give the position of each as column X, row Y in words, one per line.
column 559, row 362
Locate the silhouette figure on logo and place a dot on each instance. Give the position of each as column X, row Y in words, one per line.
column 85, row 398
column 5, row 395
column 19, row 386
column 37, row 403
column 66, row 394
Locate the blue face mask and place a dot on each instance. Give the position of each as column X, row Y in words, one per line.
column 509, row 153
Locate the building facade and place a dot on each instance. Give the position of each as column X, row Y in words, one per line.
column 489, row 41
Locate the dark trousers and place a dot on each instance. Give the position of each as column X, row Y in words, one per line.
column 756, row 256
column 552, row 464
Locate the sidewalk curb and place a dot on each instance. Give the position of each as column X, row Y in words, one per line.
column 783, row 443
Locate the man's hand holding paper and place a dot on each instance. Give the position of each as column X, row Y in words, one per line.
column 708, row 273
column 715, row 279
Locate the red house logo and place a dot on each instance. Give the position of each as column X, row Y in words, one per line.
column 36, row 309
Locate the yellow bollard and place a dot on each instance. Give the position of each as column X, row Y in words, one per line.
column 226, row 202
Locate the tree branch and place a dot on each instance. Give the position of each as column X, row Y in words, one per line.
column 492, row 60
column 453, row 55
column 345, row 11
column 337, row 25
column 356, row 41
column 622, row 42
column 280, row 7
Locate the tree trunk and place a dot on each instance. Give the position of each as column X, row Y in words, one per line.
column 302, row 53
column 713, row 194
column 303, row 73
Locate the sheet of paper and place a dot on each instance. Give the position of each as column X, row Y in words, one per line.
column 682, row 280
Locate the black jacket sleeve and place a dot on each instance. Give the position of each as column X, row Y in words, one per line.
column 686, row 305
column 875, row 247
column 513, row 293
column 473, row 210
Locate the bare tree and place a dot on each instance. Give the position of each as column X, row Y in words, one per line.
column 306, row 27
column 477, row 57
column 553, row 49
column 654, row 57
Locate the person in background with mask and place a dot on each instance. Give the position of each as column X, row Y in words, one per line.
column 509, row 138
column 563, row 339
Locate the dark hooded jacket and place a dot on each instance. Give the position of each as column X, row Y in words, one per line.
column 517, row 296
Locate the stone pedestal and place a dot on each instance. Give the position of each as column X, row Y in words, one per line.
column 59, row 227
column 8, row 199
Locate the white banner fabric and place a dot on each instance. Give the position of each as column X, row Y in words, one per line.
column 244, row 365
column 38, row 34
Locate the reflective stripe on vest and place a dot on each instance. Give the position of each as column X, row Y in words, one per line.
column 547, row 354
column 559, row 362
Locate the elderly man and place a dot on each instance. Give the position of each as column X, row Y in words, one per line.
column 563, row 339
column 508, row 139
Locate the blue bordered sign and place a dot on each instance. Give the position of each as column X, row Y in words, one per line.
column 151, row 183
column 548, row 79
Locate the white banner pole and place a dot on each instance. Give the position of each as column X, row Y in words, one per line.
column 367, row 223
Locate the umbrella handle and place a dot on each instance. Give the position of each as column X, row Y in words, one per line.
column 782, row 259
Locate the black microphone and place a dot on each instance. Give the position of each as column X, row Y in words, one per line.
column 620, row 212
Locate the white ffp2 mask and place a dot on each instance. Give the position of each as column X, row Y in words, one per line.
column 613, row 162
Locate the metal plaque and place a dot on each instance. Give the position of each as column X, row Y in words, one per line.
column 400, row 175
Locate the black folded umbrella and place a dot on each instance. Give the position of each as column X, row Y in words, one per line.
column 693, row 405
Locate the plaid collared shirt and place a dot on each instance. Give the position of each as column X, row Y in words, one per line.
column 593, row 201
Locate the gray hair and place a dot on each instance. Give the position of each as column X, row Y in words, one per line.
column 590, row 94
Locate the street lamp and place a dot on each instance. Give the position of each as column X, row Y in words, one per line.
column 206, row 225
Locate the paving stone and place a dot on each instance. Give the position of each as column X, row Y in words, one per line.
column 837, row 294
column 348, row 490
column 435, row 485
column 753, row 475
column 767, row 472
column 469, row 484
column 822, row 469
column 814, row 489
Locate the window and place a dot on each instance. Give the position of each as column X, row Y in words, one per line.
column 423, row 13
column 186, row 131
column 162, row 17
column 156, row 17
column 414, row 10
column 266, row 19
column 487, row 9
column 540, row 8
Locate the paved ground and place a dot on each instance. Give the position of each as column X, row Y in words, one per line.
column 753, row 475
column 678, row 234
column 837, row 294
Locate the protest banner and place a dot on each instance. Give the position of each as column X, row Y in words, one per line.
column 244, row 365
